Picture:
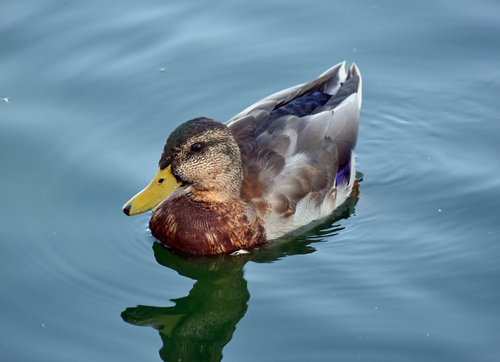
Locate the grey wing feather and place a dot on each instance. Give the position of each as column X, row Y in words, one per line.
column 297, row 158
column 331, row 80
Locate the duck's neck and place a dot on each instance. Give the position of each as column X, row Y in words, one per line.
column 220, row 188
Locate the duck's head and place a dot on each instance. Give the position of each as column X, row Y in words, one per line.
column 200, row 154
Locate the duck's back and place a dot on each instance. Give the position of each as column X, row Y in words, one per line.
column 297, row 149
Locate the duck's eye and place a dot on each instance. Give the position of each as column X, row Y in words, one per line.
column 196, row 147
column 160, row 181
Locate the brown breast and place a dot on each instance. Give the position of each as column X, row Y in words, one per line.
column 196, row 227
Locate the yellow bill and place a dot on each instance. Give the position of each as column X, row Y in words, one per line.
column 163, row 184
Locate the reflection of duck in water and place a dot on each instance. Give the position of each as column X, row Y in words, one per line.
column 279, row 165
column 200, row 324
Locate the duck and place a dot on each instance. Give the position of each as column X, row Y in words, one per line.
column 280, row 164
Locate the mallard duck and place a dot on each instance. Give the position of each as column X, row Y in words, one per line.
column 278, row 165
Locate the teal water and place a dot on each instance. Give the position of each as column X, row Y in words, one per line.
column 407, row 271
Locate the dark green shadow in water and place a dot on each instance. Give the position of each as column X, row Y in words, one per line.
column 200, row 324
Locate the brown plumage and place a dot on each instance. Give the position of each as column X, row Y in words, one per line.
column 200, row 227
column 280, row 164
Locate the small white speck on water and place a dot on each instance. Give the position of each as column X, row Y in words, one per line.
column 238, row 252
column 439, row 210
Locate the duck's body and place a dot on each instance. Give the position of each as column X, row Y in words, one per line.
column 280, row 164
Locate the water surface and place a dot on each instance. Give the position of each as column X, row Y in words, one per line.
column 407, row 271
